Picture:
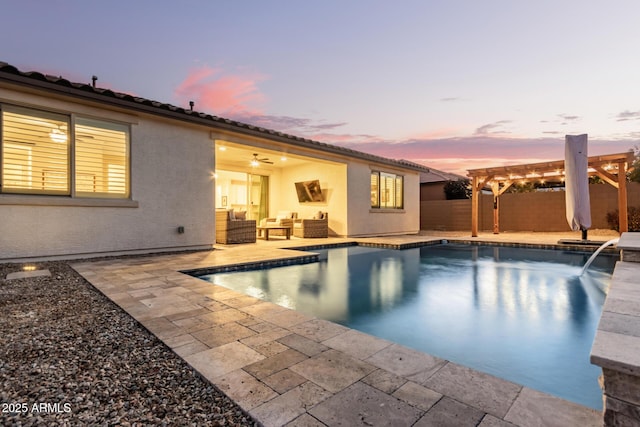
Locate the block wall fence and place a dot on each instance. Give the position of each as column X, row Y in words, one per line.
column 536, row 211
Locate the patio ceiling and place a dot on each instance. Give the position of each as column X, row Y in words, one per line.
column 238, row 156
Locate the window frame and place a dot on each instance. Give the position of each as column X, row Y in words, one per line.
column 382, row 193
column 78, row 171
column 40, row 161
column 71, row 196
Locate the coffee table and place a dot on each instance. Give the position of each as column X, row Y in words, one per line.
column 263, row 231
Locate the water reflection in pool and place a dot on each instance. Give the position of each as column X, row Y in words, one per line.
column 520, row 314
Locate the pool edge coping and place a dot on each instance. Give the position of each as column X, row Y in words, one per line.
column 307, row 256
column 545, row 399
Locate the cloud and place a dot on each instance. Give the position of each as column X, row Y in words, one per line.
column 472, row 147
column 328, row 125
column 628, row 115
column 443, row 132
column 222, row 94
column 568, row 118
column 280, row 123
column 457, row 155
column 238, row 97
column 492, row 128
column 287, row 124
column 349, row 140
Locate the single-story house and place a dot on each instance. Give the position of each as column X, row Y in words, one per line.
column 432, row 184
column 86, row 171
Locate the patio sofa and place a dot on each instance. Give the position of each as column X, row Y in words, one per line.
column 232, row 227
column 318, row 226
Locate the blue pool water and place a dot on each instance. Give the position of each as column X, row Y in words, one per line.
column 520, row 314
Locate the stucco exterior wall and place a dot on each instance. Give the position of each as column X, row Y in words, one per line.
column 333, row 182
column 365, row 221
column 171, row 167
column 172, row 164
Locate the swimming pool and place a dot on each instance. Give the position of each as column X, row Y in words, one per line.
column 520, row 314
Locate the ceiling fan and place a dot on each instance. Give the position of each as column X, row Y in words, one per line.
column 256, row 161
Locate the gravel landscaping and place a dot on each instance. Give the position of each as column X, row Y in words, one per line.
column 69, row 356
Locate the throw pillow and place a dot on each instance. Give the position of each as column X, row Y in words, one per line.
column 283, row 215
column 231, row 215
column 241, row 215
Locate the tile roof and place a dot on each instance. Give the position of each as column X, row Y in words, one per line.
column 435, row 175
column 61, row 85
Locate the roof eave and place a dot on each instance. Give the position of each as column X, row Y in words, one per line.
column 128, row 102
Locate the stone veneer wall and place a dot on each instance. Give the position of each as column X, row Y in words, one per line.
column 616, row 347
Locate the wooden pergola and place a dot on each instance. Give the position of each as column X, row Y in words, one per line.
column 611, row 168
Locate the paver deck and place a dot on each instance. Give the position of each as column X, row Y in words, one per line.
column 286, row 368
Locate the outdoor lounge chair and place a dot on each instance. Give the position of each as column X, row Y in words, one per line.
column 230, row 229
column 310, row 228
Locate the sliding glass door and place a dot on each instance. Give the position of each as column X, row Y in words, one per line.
column 259, row 196
column 241, row 191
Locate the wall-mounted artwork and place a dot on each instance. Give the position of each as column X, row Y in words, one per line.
column 309, row 191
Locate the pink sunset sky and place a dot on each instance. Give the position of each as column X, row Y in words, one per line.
column 454, row 85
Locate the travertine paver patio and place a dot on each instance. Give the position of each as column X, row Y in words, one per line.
column 285, row 368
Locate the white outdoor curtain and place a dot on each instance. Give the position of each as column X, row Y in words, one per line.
column 576, row 164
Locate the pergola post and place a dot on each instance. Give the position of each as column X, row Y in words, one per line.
column 507, row 175
column 623, row 219
column 474, row 207
column 621, row 184
column 495, row 189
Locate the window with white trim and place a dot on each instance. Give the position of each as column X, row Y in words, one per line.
column 36, row 149
column 387, row 190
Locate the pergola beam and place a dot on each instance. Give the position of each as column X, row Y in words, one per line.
column 606, row 176
column 507, row 175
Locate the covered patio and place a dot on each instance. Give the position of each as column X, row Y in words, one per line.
column 611, row 168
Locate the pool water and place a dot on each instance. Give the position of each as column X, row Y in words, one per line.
column 517, row 313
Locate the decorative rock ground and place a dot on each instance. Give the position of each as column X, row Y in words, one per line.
column 69, row 356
